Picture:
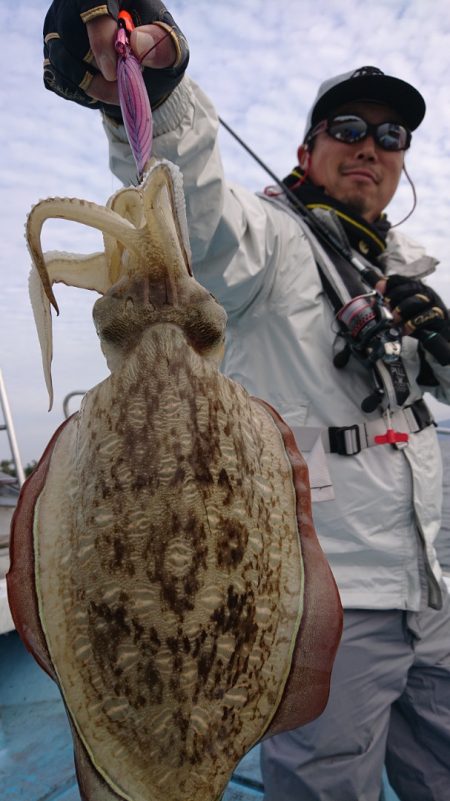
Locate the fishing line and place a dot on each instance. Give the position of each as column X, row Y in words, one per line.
column 141, row 58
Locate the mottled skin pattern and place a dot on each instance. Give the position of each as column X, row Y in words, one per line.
column 174, row 618
column 166, row 581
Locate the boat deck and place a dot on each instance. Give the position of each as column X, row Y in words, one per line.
column 36, row 758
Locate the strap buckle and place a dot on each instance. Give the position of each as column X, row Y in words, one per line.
column 345, row 440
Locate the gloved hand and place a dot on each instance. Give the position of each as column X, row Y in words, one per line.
column 68, row 61
column 422, row 313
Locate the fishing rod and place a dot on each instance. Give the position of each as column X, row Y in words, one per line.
column 325, row 235
column 436, row 344
column 366, row 324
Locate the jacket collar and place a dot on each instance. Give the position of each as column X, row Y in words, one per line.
column 367, row 239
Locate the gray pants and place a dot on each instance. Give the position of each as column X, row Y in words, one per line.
column 389, row 704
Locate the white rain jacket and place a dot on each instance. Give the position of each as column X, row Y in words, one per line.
column 378, row 529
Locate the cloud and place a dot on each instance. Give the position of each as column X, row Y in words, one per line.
column 261, row 63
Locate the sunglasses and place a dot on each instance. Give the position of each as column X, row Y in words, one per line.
column 349, row 128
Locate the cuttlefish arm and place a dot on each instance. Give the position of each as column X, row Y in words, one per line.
column 85, row 272
column 81, row 211
column 167, row 232
column 88, row 271
column 138, row 226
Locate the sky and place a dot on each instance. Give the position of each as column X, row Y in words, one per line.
column 261, row 62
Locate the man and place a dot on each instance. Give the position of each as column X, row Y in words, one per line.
column 351, row 390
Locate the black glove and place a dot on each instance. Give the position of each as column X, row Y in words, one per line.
column 66, row 45
column 423, row 314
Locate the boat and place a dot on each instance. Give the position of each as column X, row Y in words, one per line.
column 9, row 493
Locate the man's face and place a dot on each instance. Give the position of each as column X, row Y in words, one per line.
column 362, row 175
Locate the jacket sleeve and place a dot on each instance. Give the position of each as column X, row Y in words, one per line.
column 234, row 234
column 436, row 379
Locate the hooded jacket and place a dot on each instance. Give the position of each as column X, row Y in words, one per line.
column 383, row 507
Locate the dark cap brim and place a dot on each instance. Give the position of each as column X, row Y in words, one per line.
column 393, row 92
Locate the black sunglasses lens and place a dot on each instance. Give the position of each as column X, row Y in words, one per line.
column 392, row 136
column 388, row 135
column 347, row 129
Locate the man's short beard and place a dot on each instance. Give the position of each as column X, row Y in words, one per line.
column 357, row 205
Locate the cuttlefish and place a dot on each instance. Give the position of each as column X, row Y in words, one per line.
column 165, row 568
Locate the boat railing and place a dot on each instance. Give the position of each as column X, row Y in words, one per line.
column 8, row 426
column 443, row 430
